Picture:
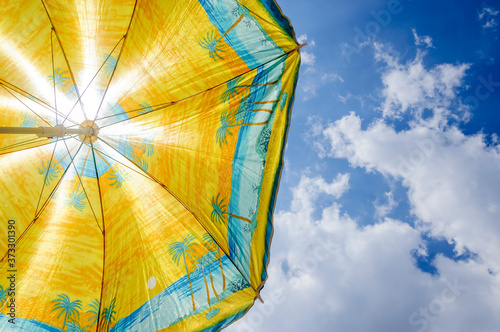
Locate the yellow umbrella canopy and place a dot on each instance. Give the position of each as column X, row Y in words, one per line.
column 154, row 211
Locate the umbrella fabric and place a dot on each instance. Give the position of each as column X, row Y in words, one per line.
column 163, row 219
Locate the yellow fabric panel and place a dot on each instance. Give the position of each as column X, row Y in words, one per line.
column 187, row 159
column 94, row 30
column 24, row 66
column 24, row 193
column 25, row 59
column 60, row 254
column 138, row 250
column 17, row 118
column 166, row 59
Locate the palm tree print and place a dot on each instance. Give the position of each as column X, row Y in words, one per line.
column 228, row 121
column 219, row 211
column 94, row 311
column 232, row 89
column 109, row 65
column 201, row 264
column 181, row 249
column 145, row 108
column 234, row 86
column 75, row 327
column 108, row 316
column 221, row 134
column 211, row 258
column 50, row 172
column 60, row 79
column 118, row 176
column 68, row 308
column 76, row 199
column 210, row 244
column 3, row 296
column 147, row 146
column 246, row 105
column 214, row 44
column 30, row 120
column 143, row 164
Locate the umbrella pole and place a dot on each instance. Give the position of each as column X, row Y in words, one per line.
column 57, row 131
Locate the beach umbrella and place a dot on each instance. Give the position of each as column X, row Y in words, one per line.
column 141, row 145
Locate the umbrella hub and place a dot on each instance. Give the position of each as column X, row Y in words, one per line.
column 91, row 131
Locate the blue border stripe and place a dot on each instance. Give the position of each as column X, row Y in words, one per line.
column 272, row 202
column 278, row 15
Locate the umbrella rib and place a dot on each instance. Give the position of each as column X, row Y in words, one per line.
column 117, row 61
column 160, row 106
column 83, row 187
column 95, row 75
column 42, row 208
column 98, row 184
column 204, row 91
column 32, row 147
column 30, row 97
column 53, row 70
column 103, row 236
column 13, row 95
column 19, row 144
column 188, row 209
column 65, row 58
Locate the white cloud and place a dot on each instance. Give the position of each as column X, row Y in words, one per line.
column 453, row 180
column 307, row 58
column 488, row 17
column 422, row 40
column 382, row 210
column 344, row 99
column 412, row 87
column 329, row 274
column 330, row 77
column 304, row 39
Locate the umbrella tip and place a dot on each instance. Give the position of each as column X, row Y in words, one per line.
column 300, row 46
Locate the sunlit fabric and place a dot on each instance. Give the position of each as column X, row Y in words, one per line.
column 163, row 220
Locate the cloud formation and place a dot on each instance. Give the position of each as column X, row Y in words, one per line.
column 307, row 57
column 422, row 40
column 453, row 180
column 487, row 15
column 329, row 273
column 410, row 87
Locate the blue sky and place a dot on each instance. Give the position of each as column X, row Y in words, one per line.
column 387, row 217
